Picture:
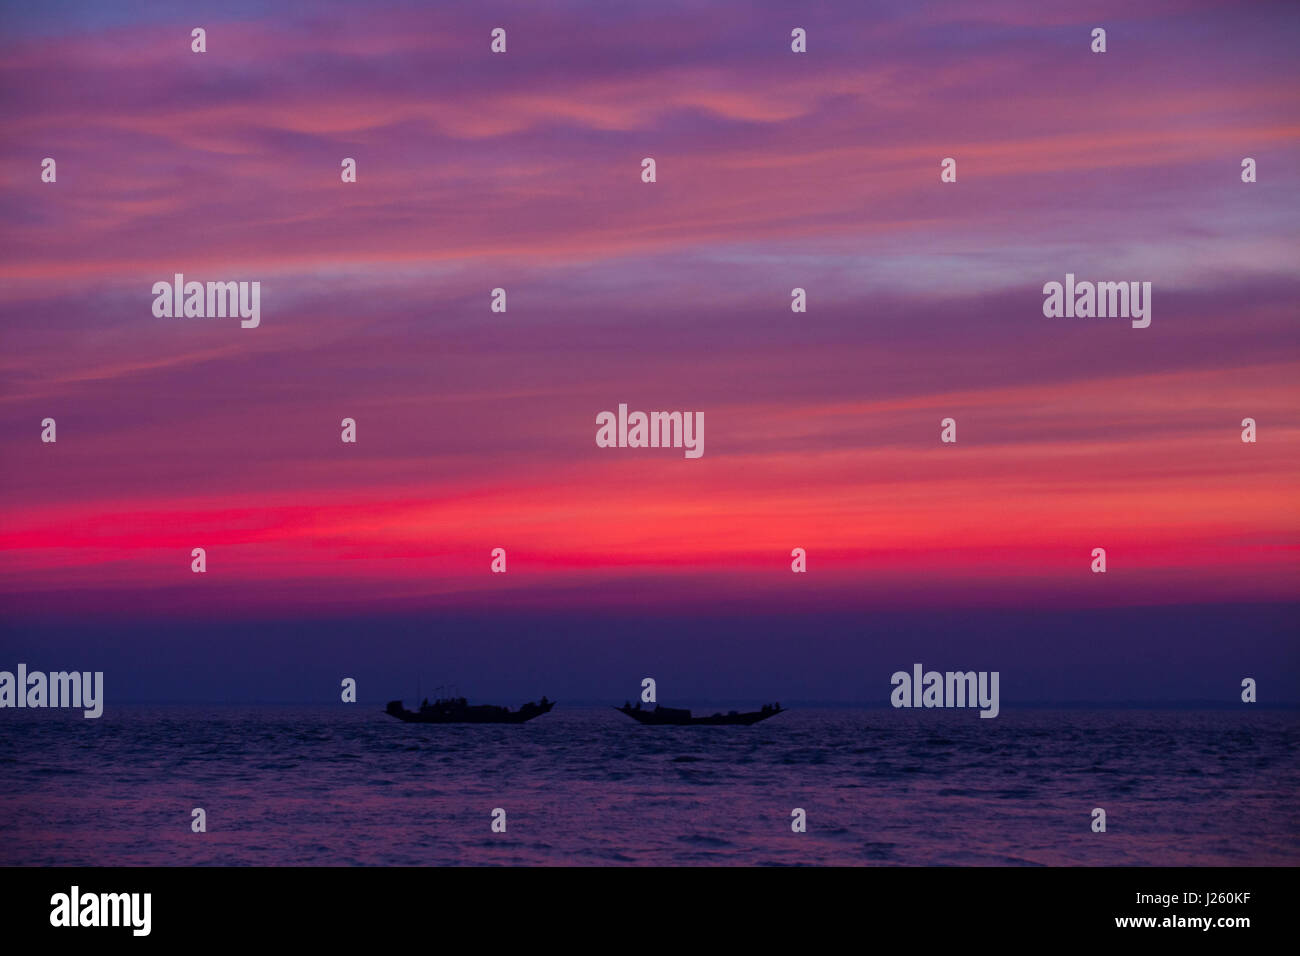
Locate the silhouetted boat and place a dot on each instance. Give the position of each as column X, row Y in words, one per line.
column 456, row 710
column 677, row 717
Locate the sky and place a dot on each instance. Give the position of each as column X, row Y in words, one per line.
column 476, row 430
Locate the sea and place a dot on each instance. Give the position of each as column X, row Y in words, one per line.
column 346, row 785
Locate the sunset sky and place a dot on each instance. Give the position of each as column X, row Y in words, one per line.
column 476, row 429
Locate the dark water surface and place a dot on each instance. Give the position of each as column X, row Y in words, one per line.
column 348, row 785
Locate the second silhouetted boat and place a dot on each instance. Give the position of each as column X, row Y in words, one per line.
column 457, row 710
column 680, row 717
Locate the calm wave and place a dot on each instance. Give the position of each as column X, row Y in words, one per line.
column 347, row 785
